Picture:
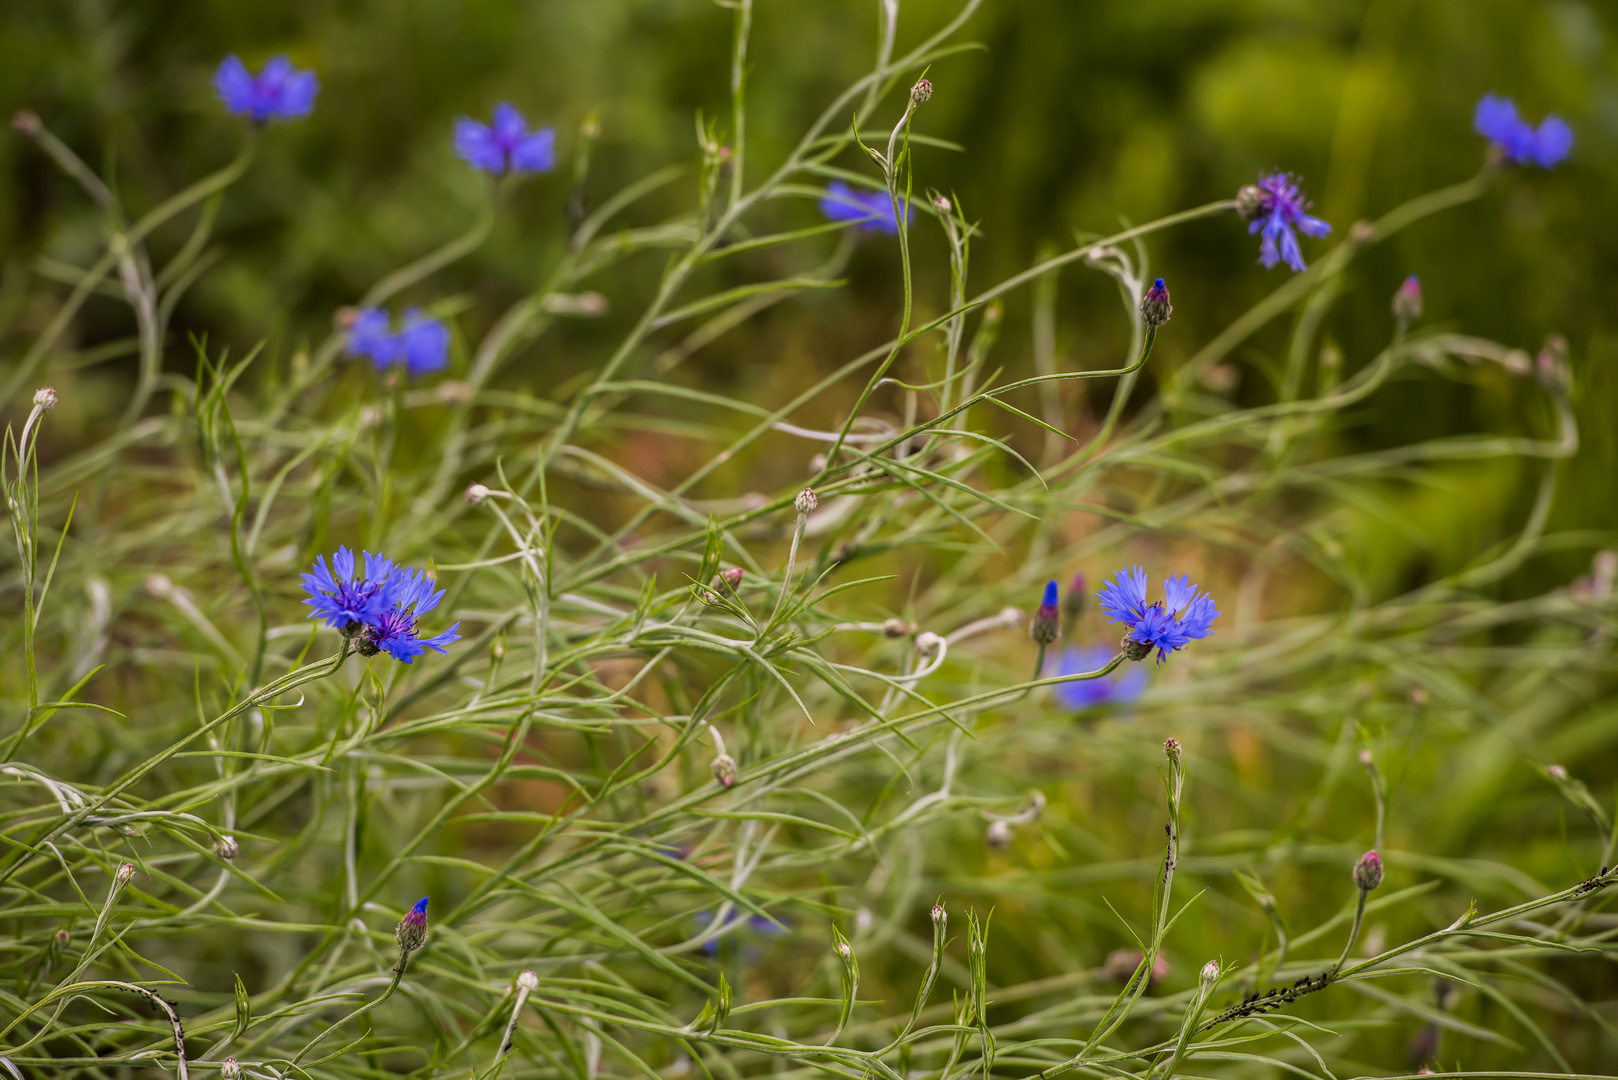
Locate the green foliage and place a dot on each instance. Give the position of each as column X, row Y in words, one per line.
column 676, row 822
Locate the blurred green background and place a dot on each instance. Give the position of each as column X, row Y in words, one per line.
column 1073, row 116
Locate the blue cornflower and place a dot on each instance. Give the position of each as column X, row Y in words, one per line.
column 421, row 344
column 1275, row 206
column 346, row 598
column 278, row 92
column 409, row 596
column 872, row 211
column 1121, row 686
column 411, row 933
column 1168, row 625
column 1045, row 627
column 1519, row 141
column 506, row 144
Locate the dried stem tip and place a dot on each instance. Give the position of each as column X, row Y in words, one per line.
column 411, row 933
column 1368, row 871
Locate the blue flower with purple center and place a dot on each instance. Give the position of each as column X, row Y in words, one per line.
column 506, row 145
column 346, row 597
column 409, row 596
column 869, row 211
column 1519, row 141
column 1122, row 686
column 1167, row 625
column 278, row 92
column 421, row 343
column 1275, row 206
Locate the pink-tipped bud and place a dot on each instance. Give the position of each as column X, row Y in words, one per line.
column 62, row 937
column 1368, row 871
column 940, row 916
column 45, row 398
column 1365, row 758
column 921, row 91
column 896, row 628
column 1171, row 750
column 732, row 577
column 1407, row 300
column 1073, row 602
column 411, row 932
column 230, row 1069
column 724, row 770
column 125, row 872
column 806, row 502
column 1556, row 772
column 941, row 203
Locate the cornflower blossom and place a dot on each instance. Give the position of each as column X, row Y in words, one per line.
column 278, row 92
column 409, row 596
column 411, row 933
column 1276, row 206
column 1122, row 686
column 1044, row 627
column 347, row 598
column 421, row 344
column 870, row 211
column 1168, row 625
column 1496, row 119
column 506, row 145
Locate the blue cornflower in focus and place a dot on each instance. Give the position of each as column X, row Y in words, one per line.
column 409, row 595
column 1181, row 617
column 506, row 144
column 278, row 92
column 421, row 344
column 871, row 211
column 1121, row 686
column 347, row 599
column 1044, row 628
column 1519, row 141
column 411, row 933
column 1274, row 207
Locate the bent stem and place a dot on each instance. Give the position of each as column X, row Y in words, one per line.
column 393, row 984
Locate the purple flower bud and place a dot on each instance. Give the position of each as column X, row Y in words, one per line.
column 921, row 91
column 1154, row 306
column 1407, row 301
column 1045, row 627
column 1073, row 602
column 411, row 933
column 1171, row 750
column 806, row 502
column 1368, row 871
column 732, row 577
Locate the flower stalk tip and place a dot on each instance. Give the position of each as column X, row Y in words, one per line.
column 1155, row 308
column 1045, row 627
column 411, row 932
column 1368, row 871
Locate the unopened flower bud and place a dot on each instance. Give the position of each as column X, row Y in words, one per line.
column 941, row 203
column 45, row 398
column 125, row 872
column 1045, row 627
column 1073, row 602
column 229, row 1069
column 732, row 577
column 346, row 317
column 1407, row 301
column 476, row 494
column 1210, row 972
column 1171, row 750
column 1368, row 871
column 998, row 834
column 724, row 770
column 226, row 848
column 940, row 916
column 1365, row 758
column 62, row 937
column 1551, row 363
column 1155, row 308
column 1556, row 772
column 158, row 586
column 844, row 950
column 928, row 644
column 1362, row 232
column 1134, row 650
column 806, row 502
column 27, row 122
column 527, row 980
column 895, row 628
column 1250, row 202
column 921, row 91
column 411, row 932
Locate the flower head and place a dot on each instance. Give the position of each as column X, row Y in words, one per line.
column 409, row 596
column 1168, row 625
column 278, row 92
column 506, row 144
column 411, row 933
column 871, row 211
column 1045, row 627
column 421, row 344
column 1155, row 308
column 1368, row 871
column 1407, row 300
column 1276, row 206
column 347, row 597
column 1497, row 120
column 1122, row 686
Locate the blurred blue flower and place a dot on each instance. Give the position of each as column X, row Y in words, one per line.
column 1122, row 686
column 409, row 595
column 872, row 211
column 1280, row 207
column 756, row 924
column 1168, row 625
column 347, row 597
column 421, row 344
column 278, row 92
column 506, row 144
column 1519, row 141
